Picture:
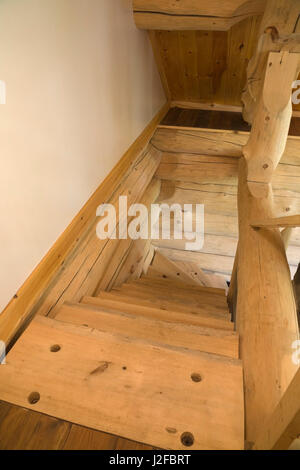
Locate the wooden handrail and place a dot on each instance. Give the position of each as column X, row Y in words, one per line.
column 289, row 221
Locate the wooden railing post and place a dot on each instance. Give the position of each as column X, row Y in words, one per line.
column 266, row 309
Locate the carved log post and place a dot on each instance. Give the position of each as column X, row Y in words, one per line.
column 266, row 309
column 280, row 21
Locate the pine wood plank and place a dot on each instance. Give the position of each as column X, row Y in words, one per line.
column 109, row 301
column 214, row 305
column 206, row 315
column 283, row 427
column 193, row 14
column 142, row 402
column 212, row 341
column 198, row 291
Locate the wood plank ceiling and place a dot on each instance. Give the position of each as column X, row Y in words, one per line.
column 206, row 66
column 209, row 67
column 200, row 165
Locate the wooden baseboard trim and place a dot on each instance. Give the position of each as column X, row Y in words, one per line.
column 22, row 306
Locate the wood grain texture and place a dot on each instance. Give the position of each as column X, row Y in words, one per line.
column 141, row 402
column 162, row 308
column 123, row 303
column 22, row 429
column 208, row 66
column 194, row 14
column 266, row 310
column 288, row 221
column 283, row 427
column 224, row 343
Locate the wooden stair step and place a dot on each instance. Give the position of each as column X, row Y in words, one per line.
column 209, row 305
column 109, row 301
column 204, row 318
column 157, row 331
column 177, row 284
column 114, row 384
column 163, row 265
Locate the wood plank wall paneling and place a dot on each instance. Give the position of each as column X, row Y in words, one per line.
column 207, row 66
column 210, row 178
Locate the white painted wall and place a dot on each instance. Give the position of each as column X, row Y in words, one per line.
column 81, row 85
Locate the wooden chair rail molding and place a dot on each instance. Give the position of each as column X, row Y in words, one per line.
column 291, row 221
column 217, row 15
column 283, row 427
column 27, row 301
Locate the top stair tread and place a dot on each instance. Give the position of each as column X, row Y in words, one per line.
column 148, row 391
column 213, row 341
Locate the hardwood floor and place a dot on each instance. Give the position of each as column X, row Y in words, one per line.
column 22, row 429
column 223, row 120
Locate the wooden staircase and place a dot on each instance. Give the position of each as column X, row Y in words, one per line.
column 155, row 360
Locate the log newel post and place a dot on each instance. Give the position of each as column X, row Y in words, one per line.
column 266, row 310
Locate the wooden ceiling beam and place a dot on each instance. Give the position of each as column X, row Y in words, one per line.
column 219, row 15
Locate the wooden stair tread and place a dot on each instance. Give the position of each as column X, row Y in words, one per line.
column 178, row 284
column 167, row 334
column 203, row 317
column 205, row 305
column 125, row 304
column 131, row 389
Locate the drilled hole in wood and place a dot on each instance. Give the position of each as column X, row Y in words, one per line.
column 265, row 166
column 178, row 274
column 196, row 378
column 267, row 118
column 124, row 368
column 34, row 397
column 55, row 348
column 187, row 439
